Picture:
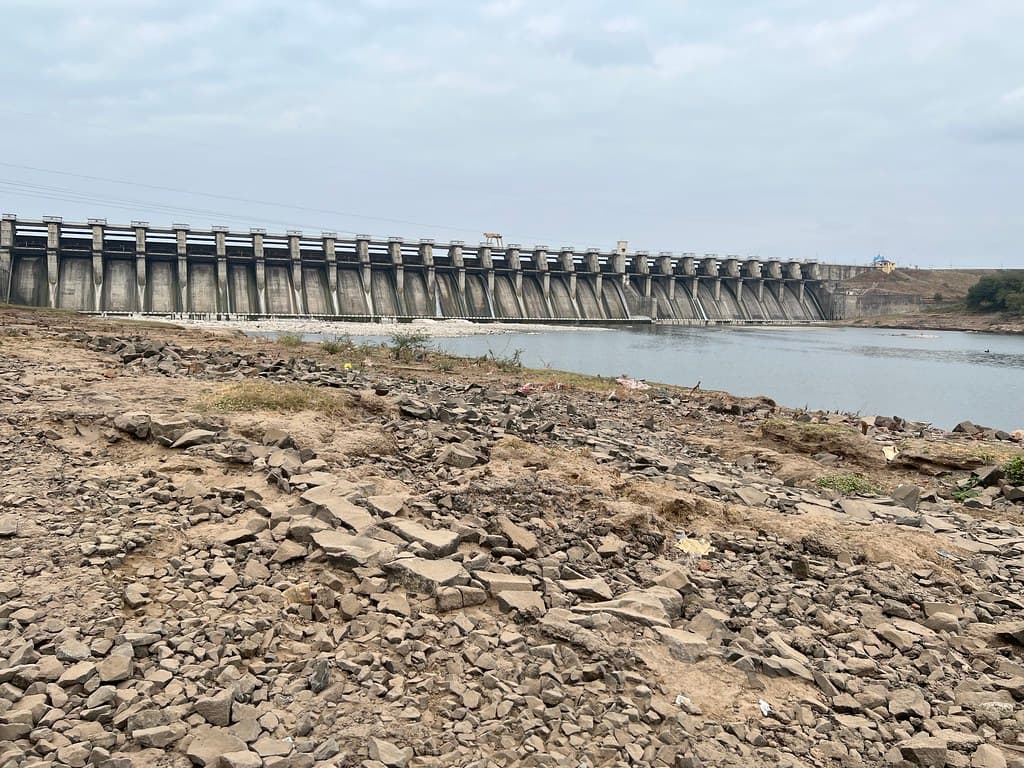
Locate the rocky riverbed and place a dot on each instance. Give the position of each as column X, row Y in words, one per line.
column 425, row 327
column 218, row 551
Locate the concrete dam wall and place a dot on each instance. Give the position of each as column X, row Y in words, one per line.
column 96, row 267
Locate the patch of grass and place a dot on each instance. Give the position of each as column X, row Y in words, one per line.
column 507, row 363
column 289, row 340
column 408, row 345
column 810, row 427
column 957, row 455
column 1013, row 470
column 337, row 345
column 281, row 398
column 569, row 379
column 847, row 485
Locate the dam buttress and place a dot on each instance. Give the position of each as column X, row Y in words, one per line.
column 138, row 269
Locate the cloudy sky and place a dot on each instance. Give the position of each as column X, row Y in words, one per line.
column 829, row 129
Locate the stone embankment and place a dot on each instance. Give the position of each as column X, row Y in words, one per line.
column 225, row 553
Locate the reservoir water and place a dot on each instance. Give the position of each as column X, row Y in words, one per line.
column 936, row 376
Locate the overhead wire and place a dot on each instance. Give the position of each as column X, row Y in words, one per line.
column 211, row 145
column 63, row 194
column 233, row 198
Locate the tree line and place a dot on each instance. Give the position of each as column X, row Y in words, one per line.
column 1001, row 292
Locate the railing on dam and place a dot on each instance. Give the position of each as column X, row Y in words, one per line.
column 96, row 267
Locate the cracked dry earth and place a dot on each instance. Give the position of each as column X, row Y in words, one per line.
column 442, row 569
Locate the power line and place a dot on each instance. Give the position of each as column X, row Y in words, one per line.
column 233, row 198
column 210, row 145
column 69, row 195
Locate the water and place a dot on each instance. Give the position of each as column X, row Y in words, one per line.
column 941, row 377
column 935, row 376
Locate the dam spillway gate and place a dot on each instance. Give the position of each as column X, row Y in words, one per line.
column 138, row 269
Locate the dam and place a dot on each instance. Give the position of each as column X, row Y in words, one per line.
column 94, row 267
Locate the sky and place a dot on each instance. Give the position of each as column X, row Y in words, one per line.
column 796, row 129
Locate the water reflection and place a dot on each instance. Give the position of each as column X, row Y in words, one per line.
column 985, row 357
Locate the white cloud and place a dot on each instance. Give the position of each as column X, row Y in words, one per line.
column 830, row 39
column 623, row 24
column 780, row 112
column 545, row 28
column 675, row 60
column 1014, row 97
column 501, row 9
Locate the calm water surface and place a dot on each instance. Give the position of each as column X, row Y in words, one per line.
column 936, row 376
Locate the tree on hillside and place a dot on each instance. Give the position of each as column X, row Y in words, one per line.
column 1001, row 292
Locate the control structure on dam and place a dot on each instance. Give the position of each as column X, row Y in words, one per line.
column 101, row 268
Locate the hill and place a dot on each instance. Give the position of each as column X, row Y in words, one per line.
column 949, row 284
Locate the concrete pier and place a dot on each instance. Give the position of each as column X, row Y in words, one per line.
column 100, row 268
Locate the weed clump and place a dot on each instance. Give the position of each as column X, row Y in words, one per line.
column 337, row 345
column 968, row 490
column 502, row 362
column 289, row 340
column 1013, row 470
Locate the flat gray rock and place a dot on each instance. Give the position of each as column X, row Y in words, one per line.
column 751, row 496
column 208, row 745
column 503, row 582
column 350, row 551
column 428, row 575
column 683, row 644
column 333, row 507
column 387, row 505
column 519, row 536
column 388, row 753
column 531, row 603
column 589, row 589
column 439, row 543
column 652, row 607
column 457, row 456
column 9, row 525
column 195, row 437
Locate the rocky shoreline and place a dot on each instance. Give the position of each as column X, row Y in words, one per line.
column 933, row 321
column 219, row 551
column 428, row 328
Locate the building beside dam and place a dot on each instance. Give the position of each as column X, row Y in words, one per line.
column 140, row 269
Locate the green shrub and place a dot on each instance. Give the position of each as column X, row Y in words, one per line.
column 847, row 485
column 289, row 340
column 1001, row 292
column 337, row 345
column 1013, row 470
column 407, row 345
